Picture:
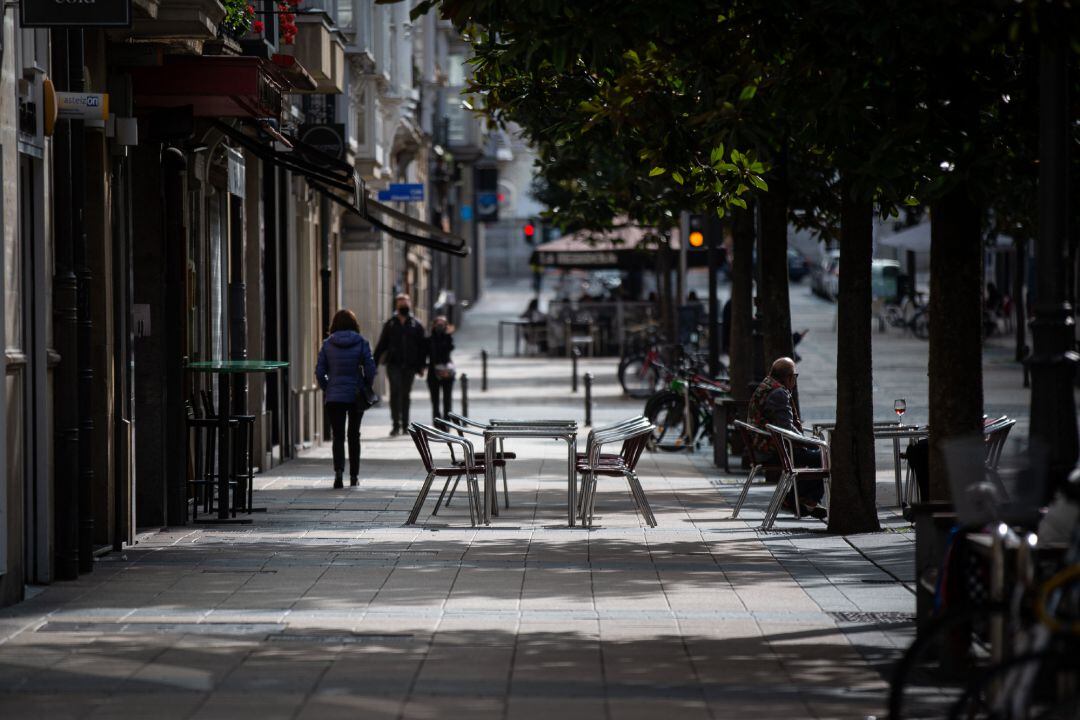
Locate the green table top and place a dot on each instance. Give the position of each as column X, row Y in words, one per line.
column 236, row 366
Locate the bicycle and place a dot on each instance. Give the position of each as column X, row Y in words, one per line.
column 1040, row 620
column 911, row 314
column 678, row 427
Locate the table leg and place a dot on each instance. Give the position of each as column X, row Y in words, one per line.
column 500, row 339
column 489, row 458
column 225, row 458
column 517, row 339
column 896, row 468
column 571, row 478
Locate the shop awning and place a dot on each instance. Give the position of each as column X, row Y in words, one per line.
column 626, row 248
column 338, row 181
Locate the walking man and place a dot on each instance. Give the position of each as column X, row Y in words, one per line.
column 403, row 349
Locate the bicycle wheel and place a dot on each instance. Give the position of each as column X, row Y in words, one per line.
column 635, row 378
column 665, row 411
column 920, row 325
column 931, row 688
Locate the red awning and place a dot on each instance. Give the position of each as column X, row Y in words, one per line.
column 217, row 86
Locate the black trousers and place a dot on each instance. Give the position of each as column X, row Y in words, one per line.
column 802, row 457
column 338, row 413
column 437, row 387
column 401, row 381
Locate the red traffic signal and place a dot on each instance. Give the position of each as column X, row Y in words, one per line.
column 530, row 232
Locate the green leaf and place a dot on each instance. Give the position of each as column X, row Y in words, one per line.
column 657, row 171
column 738, row 202
column 677, row 177
column 912, row 201
column 632, row 56
column 759, row 183
column 748, row 93
column 720, row 211
column 717, row 154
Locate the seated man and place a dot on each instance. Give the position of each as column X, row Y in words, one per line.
column 771, row 404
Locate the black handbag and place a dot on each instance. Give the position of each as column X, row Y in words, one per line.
column 366, row 397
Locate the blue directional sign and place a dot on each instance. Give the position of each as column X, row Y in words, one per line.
column 403, row 192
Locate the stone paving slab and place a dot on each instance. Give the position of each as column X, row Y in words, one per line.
column 327, row 606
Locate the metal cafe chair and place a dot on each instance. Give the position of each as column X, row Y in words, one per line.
column 499, row 461
column 757, row 465
column 625, row 466
column 423, row 436
column 789, row 479
column 601, row 433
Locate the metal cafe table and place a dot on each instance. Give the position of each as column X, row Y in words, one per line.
column 886, row 430
column 499, row 430
column 225, row 369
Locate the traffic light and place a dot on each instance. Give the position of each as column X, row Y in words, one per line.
column 696, row 236
column 530, row 233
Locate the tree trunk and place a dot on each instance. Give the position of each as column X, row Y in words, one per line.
column 853, row 504
column 741, row 350
column 775, row 302
column 956, row 314
column 1019, row 270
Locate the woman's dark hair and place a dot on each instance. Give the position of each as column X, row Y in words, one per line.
column 344, row 320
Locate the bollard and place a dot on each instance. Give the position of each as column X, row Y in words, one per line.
column 464, row 394
column 575, row 353
column 588, row 399
column 483, row 371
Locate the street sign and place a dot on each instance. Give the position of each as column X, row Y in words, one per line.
column 75, row 13
column 487, row 206
column 466, row 212
column 403, row 192
column 82, row 106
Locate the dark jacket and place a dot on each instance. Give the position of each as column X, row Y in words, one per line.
column 338, row 369
column 402, row 344
column 771, row 404
column 440, row 345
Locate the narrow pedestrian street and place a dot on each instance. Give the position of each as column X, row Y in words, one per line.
column 328, row 606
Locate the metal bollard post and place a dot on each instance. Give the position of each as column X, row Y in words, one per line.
column 464, row 394
column 483, row 370
column 574, row 355
column 588, row 399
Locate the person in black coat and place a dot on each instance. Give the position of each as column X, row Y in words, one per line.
column 403, row 348
column 440, row 378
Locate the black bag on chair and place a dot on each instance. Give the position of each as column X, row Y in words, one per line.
column 366, row 397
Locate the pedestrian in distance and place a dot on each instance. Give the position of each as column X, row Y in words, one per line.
column 402, row 347
column 344, row 371
column 440, row 371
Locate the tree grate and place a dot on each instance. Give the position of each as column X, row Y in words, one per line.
column 873, row 618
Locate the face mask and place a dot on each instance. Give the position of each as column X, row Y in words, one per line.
column 403, row 311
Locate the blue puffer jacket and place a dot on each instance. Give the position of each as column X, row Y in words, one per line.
column 338, row 369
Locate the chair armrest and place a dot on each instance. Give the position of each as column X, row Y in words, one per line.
column 461, row 428
column 797, row 438
column 462, row 420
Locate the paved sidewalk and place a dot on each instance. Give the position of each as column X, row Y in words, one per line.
column 327, row 606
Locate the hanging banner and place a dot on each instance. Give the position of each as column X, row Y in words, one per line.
column 75, row 13
column 82, row 106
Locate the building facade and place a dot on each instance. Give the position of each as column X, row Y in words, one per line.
column 222, row 209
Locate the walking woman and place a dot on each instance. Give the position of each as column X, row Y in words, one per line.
column 441, row 373
column 345, row 367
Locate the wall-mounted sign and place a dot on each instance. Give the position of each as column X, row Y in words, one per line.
column 75, row 13
column 487, row 207
column 402, row 192
column 327, row 139
column 82, row 106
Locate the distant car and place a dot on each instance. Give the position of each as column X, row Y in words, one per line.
column 884, row 278
column 798, row 265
